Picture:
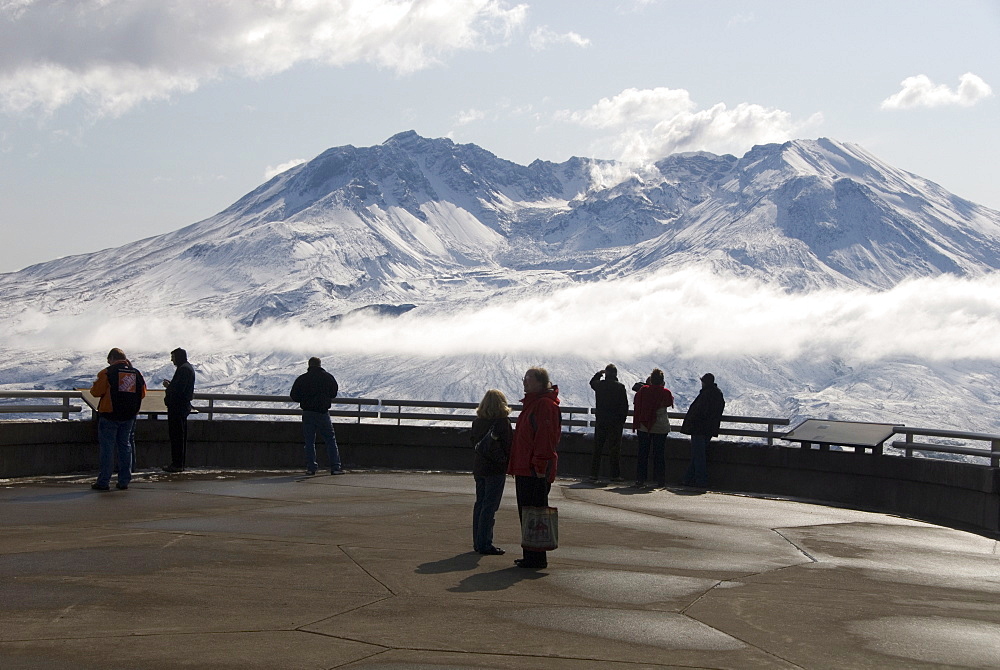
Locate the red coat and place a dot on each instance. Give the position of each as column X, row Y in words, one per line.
column 647, row 401
column 536, row 436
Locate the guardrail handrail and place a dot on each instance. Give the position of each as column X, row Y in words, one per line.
column 382, row 410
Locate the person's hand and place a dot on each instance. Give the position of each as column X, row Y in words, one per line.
column 166, row 383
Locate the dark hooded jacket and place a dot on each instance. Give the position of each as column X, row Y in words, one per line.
column 315, row 390
column 705, row 413
column 611, row 399
column 481, row 466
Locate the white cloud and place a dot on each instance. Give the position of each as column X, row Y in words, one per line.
column 651, row 123
column 467, row 116
column 115, row 54
column 543, row 37
column 275, row 170
column 920, row 91
column 709, row 317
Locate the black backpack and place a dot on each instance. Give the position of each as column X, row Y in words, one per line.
column 125, row 384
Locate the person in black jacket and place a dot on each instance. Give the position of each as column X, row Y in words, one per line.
column 492, row 437
column 315, row 391
column 702, row 423
column 611, row 411
column 180, row 392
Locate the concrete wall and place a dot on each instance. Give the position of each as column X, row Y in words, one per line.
column 955, row 494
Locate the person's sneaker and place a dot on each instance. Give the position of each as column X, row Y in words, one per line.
column 337, row 472
column 617, row 480
column 310, row 471
column 121, row 487
column 638, row 485
column 172, row 468
column 100, row 487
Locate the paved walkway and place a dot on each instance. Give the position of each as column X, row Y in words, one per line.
column 374, row 570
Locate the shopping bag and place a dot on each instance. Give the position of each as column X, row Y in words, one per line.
column 539, row 528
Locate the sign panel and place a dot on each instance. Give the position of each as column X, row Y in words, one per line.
column 843, row 433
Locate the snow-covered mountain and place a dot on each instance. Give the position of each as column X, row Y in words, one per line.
column 422, row 226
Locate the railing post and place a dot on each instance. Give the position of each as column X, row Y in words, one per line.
column 770, row 434
column 909, row 439
column 211, row 406
column 995, row 453
column 65, row 403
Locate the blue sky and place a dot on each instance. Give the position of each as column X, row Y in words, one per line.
column 122, row 119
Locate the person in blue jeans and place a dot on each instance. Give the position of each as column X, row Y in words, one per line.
column 315, row 391
column 492, row 436
column 121, row 389
column 702, row 423
column 652, row 423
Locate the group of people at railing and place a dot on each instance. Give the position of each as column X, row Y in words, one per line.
column 528, row 452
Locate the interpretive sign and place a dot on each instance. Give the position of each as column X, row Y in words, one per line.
column 152, row 404
column 841, row 433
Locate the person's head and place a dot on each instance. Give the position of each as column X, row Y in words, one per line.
column 610, row 371
column 656, row 377
column 493, row 405
column 178, row 356
column 116, row 355
column 315, row 362
column 707, row 380
column 536, row 380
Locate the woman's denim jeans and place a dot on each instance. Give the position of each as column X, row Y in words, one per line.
column 656, row 444
column 489, row 491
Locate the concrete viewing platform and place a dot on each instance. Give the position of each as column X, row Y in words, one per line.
column 374, row 569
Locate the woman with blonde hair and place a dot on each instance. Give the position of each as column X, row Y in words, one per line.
column 650, row 420
column 492, row 437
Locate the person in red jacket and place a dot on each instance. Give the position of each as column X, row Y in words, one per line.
column 650, row 420
column 533, row 457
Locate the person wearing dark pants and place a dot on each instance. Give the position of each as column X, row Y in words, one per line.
column 611, row 412
column 314, row 391
column 702, row 423
column 492, row 436
column 120, row 388
column 651, row 421
column 533, row 456
column 180, row 392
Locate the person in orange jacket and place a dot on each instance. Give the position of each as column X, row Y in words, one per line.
column 121, row 389
column 533, row 456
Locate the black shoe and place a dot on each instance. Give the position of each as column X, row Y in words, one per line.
column 337, row 472
column 100, row 487
column 522, row 563
column 310, row 472
column 121, row 487
column 172, row 468
column 493, row 551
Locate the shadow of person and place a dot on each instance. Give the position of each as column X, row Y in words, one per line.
column 495, row 581
column 461, row 563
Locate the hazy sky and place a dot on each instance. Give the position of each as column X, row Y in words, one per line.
column 122, row 119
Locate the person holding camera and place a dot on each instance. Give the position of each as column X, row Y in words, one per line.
column 611, row 411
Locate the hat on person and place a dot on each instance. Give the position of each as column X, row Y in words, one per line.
column 708, row 377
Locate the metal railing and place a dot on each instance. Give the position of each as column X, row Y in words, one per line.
column 908, row 445
column 392, row 410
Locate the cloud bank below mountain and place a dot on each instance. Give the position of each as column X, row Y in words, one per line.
column 689, row 313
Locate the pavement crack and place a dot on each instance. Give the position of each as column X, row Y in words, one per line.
column 797, row 547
